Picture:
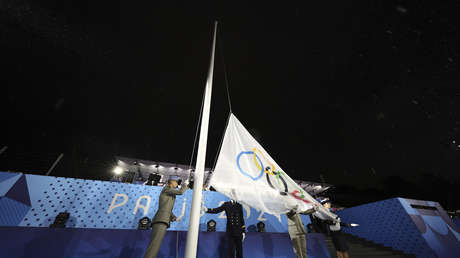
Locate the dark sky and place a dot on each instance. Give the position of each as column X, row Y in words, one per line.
column 356, row 91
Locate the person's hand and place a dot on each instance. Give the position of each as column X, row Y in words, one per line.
column 336, row 220
column 296, row 208
column 244, row 236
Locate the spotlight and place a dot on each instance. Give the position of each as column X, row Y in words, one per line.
column 261, row 227
column 118, row 170
column 212, row 226
column 144, row 223
column 60, row 220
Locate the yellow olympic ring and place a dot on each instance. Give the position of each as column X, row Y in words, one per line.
column 272, row 167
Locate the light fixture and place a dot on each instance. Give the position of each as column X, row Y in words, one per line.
column 144, row 223
column 153, row 179
column 128, row 177
column 118, row 170
column 310, row 228
column 60, row 220
column 261, row 227
column 212, row 226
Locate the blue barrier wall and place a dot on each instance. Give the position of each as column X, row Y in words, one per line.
column 457, row 222
column 34, row 201
column 395, row 223
column 108, row 243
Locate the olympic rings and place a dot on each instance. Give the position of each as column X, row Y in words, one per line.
column 270, row 171
column 281, row 185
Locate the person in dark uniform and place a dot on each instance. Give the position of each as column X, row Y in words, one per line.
column 235, row 226
column 164, row 215
column 337, row 236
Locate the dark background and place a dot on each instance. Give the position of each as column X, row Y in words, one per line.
column 363, row 95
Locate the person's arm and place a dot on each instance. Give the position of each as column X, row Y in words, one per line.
column 308, row 212
column 171, row 191
column 216, row 210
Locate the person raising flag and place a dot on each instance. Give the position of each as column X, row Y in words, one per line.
column 164, row 215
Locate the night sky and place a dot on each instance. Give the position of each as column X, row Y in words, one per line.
column 365, row 94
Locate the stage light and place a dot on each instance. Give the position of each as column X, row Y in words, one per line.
column 118, row 170
column 128, row 177
column 153, row 179
column 310, row 228
column 60, row 220
column 252, row 228
column 144, row 223
column 261, row 227
column 212, row 226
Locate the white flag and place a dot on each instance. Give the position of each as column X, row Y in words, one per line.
column 246, row 173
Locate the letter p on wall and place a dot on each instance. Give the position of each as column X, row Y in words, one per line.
column 114, row 200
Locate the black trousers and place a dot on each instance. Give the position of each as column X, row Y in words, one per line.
column 235, row 243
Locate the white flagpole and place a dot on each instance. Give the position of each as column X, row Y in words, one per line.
column 194, row 222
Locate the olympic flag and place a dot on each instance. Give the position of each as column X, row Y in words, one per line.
column 246, row 173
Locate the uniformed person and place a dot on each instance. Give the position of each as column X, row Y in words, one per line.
column 297, row 232
column 338, row 239
column 164, row 215
column 235, row 226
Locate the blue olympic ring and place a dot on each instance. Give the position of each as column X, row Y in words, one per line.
column 246, row 174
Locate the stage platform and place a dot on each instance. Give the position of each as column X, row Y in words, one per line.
column 131, row 243
column 421, row 228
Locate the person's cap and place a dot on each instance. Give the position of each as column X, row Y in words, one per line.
column 174, row 178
